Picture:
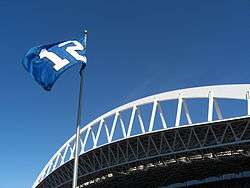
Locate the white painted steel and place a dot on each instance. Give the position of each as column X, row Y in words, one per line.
column 188, row 116
column 178, row 113
column 237, row 91
column 248, row 103
column 152, row 116
column 210, row 106
column 217, row 109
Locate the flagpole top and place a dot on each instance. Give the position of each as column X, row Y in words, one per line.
column 85, row 31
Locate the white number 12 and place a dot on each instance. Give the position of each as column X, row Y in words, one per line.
column 59, row 62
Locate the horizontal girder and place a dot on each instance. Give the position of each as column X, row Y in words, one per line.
column 166, row 147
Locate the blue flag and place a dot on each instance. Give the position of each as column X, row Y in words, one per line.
column 47, row 62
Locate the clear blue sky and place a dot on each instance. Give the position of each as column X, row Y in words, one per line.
column 136, row 48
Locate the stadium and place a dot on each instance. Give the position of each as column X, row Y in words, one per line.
column 194, row 137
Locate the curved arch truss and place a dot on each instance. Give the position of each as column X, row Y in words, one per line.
column 154, row 114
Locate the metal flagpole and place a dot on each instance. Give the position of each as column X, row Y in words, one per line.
column 79, row 112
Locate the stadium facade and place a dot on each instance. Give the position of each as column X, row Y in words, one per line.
column 195, row 137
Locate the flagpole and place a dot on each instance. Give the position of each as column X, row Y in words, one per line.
column 79, row 112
